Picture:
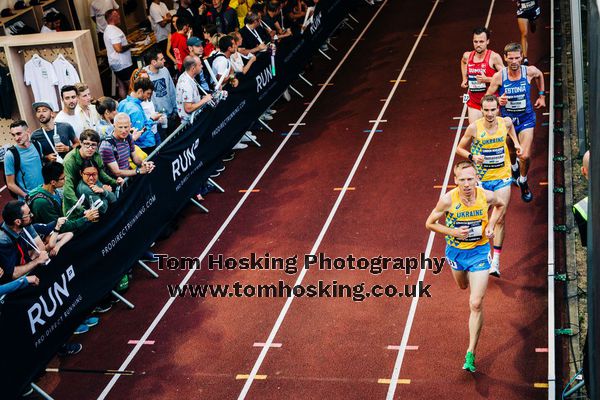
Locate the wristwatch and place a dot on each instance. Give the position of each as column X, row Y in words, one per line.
column 470, row 157
column 137, row 171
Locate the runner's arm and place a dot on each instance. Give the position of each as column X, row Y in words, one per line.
column 462, row 149
column 536, row 75
column 438, row 212
column 513, row 134
column 495, row 83
column 496, row 60
column 463, row 69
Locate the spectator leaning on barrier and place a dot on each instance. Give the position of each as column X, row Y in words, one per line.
column 68, row 94
column 15, row 245
column 72, row 164
column 52, row 135
column 119, row 148
column 84, row 110
column 107, row 109
column 46, row 203
column 17, row 284
column 92, row 190
column 196, row 49
column 252, row 42
column 274, row 20
column 188, row 94
column 132, row 105
column 221, row 65
column 224, row 17
column 22, row 162
column 118, row 51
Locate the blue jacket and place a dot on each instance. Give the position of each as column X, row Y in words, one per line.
column 133, row 107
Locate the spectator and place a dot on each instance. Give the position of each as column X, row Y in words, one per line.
column 160, row 19
column 87, row 115
column 207, row 33
column 132, row 105
column 92, row 190
column 23, row 162
column 49, row 129
column 46, row 203
column 107, row 109
column 242, row 9
column 252, row 40
column 224, row 17
column 195, row 47
column 118, row 51
column 221, row 65
column 118, row 149
column 67, row 115
column 188, row 94
column 17, row 238
column 177, row 44
column 193, row 13
column 274, row 20
column 72, row 164
column 581, row 208
column 163, row 95
column 98, row 9
column 240, row 63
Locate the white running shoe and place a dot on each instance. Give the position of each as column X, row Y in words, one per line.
column 495, row 268
column 266, row 117
column 240, row 146
column 271, row 111
column 287, row 96
column 250, row 135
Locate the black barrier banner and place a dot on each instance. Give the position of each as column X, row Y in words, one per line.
column 36, row 321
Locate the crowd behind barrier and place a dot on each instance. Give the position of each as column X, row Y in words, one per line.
column 41, row 316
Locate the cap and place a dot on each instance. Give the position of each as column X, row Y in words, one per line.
column 19, row 5
column 41, row 104
column 6, row 13
column 194, row 41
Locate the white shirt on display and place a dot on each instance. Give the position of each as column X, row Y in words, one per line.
column 45, row 29
column 98, row 8
column 65, row 72
column 117, row 61
column 73, row 120
column 40, row 75
column 157, row 14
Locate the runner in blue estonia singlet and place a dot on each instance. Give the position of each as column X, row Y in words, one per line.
column 518, row 107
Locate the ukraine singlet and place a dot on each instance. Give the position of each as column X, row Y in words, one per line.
column 496, row 162
column 474, row 217
column 518, row 94
column 476, row 89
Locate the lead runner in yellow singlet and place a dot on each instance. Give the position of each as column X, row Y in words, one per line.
column 467, row 232
column 486, row 139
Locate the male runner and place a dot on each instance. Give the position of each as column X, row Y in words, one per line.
column 514, row 85
column 527, row 13
column 478, row 67
column 467, row 230
column 486, row 139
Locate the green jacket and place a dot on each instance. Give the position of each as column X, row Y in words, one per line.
column 72, row 163
column 47, row 209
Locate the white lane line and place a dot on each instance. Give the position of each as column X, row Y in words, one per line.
column 333, row 211
column 415, row 300
column 225, row 224
column 2, row 188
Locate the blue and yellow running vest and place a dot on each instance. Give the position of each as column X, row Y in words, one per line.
column 496, row 163
column 474, row 217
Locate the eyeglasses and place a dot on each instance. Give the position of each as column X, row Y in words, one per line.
column 90, row 174
column 88, row 145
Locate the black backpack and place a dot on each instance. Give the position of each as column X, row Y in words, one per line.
column 113, row 144
column 17, row 162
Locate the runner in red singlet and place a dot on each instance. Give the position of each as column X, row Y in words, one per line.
column 478, row 67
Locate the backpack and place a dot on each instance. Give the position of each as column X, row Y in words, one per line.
column 17, row 162
column 113, row 144
column 207, row 74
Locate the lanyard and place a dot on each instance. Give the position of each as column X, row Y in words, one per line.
column 50, row 142
column 256, row 35
column 31, row 241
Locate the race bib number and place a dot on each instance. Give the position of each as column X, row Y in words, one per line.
column 475, row 86
column 475, row 230
column 493, row 158
column 516, row 105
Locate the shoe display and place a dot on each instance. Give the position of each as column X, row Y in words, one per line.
column 287, row 96
column 215, row 174
column 240, row 146
column 271, row 111
column 229, row 157
column 69, row 349
column 83, row 328
column 469, row 364
column 266, row 117
column 91, row 321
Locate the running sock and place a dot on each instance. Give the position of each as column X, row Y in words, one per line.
column 522, row 179
column 497, row 252
column 515, row 166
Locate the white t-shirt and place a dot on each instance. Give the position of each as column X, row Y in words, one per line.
column 186, row 92
column 72, row 120
column 88, row 122
column 221, row 66
column 117, row 61
column 40, row 75
column 65, row 72
column 150, row 110
column 98, row 8
column 45, row 29
column 157, row 14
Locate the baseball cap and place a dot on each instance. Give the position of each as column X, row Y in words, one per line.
column 194, row 41
column 41, row 104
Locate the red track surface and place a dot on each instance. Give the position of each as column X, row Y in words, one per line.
column 337, row 348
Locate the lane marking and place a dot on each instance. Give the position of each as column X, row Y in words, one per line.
column 539, row 385
column 291, row 134
column 341, row 188
column 377, row 121
column 260, row 344
column 149, row 342
column 240, row 377
column 441, row 186
column 324, row 84
column 453, row 128
column 2, row 188
column 376, row 131
column 415, row 300
column 398, row 381
column 396, row 347
column 401, row 81
column 541, row 349
column 546, row 113
column 543, row 183
column 249, row 190
column 232, row 214
column 333, row 211
column 300, row 124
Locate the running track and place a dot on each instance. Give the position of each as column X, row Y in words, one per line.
column 337, row 348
